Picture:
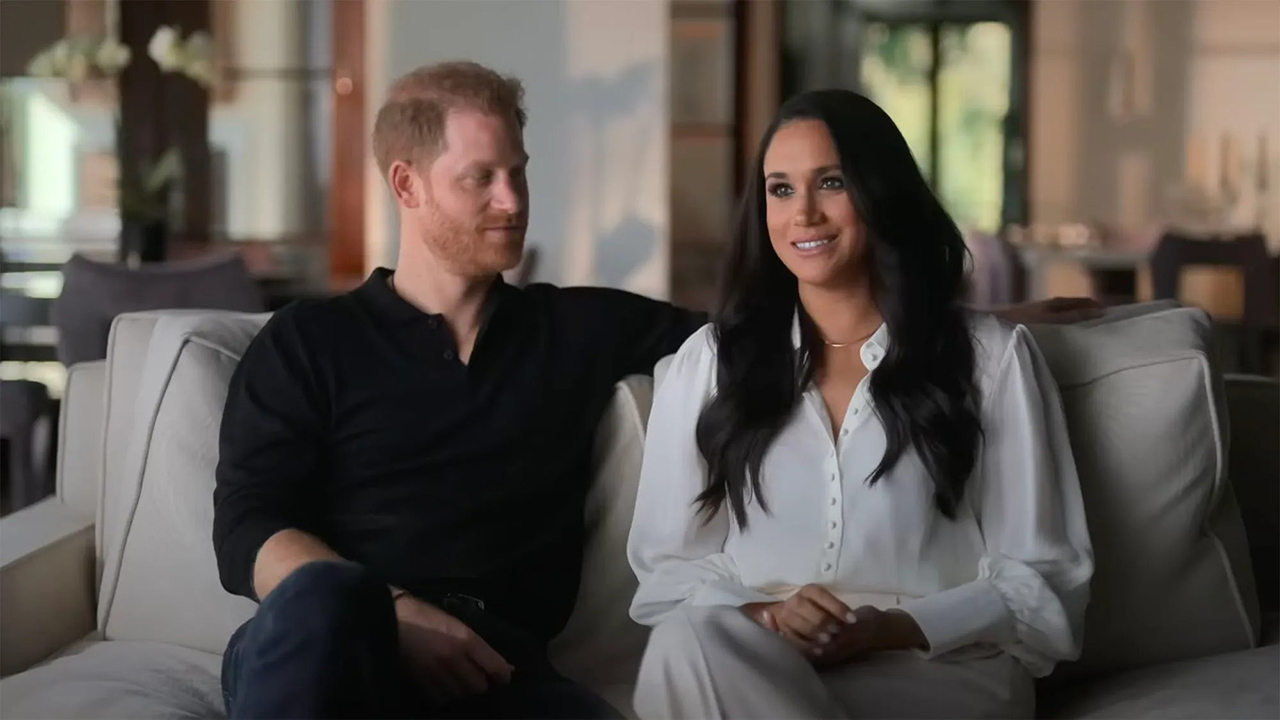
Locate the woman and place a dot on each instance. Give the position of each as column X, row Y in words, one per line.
column 858, row 498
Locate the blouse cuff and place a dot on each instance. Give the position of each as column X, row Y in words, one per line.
column 727, row 593
column 971, row 613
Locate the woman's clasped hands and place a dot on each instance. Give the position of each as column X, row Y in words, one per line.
column 829, row 632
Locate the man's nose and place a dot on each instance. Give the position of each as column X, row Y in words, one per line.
column 508, row 196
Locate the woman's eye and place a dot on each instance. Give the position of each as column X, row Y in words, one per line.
column 832, row 183
column 779, row 190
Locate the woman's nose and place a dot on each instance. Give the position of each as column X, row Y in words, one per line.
column 807, row 212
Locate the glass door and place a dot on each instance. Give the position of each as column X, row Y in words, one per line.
column 948, row 86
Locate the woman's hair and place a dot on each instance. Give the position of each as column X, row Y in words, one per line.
column 924, row 390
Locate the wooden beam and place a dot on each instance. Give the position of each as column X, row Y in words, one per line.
column 350, row 144
column 759, row 76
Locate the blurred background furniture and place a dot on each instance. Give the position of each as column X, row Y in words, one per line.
column 94, row 293
column 27, row 412
column 998, row 277
column 27, row 419
column 1235, row 281
column 24, row 323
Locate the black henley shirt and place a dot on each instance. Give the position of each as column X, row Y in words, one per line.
column 352, row 418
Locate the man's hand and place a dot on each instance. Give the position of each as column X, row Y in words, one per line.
column 447, row 658
column 811, row 619
column 1056, row 311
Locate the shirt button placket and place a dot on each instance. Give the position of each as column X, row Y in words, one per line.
column 830, row 554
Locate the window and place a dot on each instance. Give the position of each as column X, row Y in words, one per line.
column 951, row 74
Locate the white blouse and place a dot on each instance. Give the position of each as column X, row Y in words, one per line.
column 1011, row 571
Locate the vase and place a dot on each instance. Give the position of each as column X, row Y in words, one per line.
column 143, row 242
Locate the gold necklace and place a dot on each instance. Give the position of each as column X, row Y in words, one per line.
column 828, row 343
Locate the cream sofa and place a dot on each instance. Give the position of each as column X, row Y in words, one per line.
column 110, row 604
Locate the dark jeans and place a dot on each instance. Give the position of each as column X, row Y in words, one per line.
column 324, row 644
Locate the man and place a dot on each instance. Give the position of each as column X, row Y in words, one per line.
column 404, row 468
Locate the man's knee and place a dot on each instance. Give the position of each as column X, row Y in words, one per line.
column 328, row 594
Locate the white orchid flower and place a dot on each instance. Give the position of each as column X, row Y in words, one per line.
column 60, row 55
column 166, row 49
column 78, row 68
column 113, row 56
column 200, row 71
column 199, row 47
column 41, row 65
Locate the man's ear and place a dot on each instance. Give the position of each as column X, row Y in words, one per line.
column 404, row 184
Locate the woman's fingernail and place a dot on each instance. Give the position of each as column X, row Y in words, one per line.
column 833, row 629
column 824, row 638
column 851, row 618
column 817, row 651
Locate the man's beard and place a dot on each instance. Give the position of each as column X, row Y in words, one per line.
column 466, row 250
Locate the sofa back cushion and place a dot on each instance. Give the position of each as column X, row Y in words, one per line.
column 161, row 581
column 1148, row 431
column 601, row 645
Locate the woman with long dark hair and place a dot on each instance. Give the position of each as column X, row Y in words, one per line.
column 858, row 498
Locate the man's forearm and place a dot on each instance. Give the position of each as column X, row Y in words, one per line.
column 283, row 553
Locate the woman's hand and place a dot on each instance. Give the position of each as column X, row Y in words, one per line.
column 874, row 630
column 831, row 640
column 811, row 619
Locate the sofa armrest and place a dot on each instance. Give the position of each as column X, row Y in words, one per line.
column 80, row 437
column 46, row 583
column 1253, row 410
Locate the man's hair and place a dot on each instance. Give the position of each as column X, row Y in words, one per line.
column 410, row 124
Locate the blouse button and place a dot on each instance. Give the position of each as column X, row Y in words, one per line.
column 833, row 501
column 826, row 568
column 833, row 524
column 855, row 412
column 833, row 477
column 831, row 546
column 448, row 354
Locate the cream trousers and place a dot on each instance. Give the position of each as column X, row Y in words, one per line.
column 715, row 662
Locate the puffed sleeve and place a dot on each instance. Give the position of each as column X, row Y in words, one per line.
column 677, row 555
column 1032, row 585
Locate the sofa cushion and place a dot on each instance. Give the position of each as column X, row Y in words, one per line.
column 1145, row 415
column 118, row 680
column 601, row 646
column 160, row 579
column 1233, row 685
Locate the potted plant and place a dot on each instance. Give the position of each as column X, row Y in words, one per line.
column 144, row 189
